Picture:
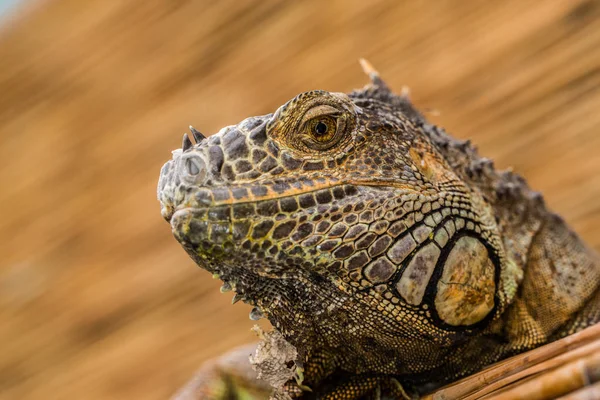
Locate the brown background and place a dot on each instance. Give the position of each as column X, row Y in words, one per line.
column 97, row 300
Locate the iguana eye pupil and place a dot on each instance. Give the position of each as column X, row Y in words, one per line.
column 321, row 128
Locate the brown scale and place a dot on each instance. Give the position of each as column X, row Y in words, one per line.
column 386, row 252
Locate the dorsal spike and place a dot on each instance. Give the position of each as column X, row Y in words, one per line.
column 197, row 134
column 378, row 89
column 373, row 74
column 187, row 143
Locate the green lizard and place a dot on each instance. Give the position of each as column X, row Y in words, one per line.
column 382, row 249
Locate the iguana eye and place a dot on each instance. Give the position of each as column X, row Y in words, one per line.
column 322, row 129
column 315, row 122
column 322, row 132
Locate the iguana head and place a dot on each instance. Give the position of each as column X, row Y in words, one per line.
column 337, row 211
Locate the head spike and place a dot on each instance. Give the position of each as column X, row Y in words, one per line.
column 187, row 143
column 197, row 135
column 237, row 297
column 373, row 74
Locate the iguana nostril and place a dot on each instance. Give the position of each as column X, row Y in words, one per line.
column 193, row 169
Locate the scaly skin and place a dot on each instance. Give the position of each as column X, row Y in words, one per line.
column 376, row 244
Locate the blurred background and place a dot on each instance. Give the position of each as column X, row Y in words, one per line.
column 97, row 300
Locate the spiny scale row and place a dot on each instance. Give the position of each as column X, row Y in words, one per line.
column 255, row 314
column 187, row 143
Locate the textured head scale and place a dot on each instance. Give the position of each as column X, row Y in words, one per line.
column 339, row 213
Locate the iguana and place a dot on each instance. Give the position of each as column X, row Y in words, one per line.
column 387, row 253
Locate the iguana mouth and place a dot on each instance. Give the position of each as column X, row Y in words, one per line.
column 291, row 202
column 268, row 226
